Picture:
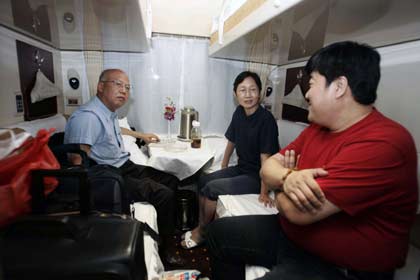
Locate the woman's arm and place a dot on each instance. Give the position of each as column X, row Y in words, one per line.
column 264, row 193
column 228, row 152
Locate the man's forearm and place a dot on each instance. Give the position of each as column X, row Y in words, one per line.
column 274, row 175
column 129, row 132
column 289, row 210
column 76, row 159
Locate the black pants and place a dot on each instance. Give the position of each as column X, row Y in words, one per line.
column 259, row 240
column 143, row 183
column 230, row 180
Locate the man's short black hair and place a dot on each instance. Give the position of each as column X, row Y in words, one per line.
column 242, row 76
column 359, row 63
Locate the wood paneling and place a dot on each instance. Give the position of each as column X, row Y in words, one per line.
column 246, row 9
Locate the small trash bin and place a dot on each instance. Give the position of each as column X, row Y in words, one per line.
column 186, row 210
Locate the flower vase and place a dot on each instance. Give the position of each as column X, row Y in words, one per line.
column 169, row 131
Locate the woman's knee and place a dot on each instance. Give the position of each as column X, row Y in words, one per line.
column 210, row 190
column 203, row 180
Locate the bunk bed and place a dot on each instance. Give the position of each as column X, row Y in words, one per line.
column 282, row 32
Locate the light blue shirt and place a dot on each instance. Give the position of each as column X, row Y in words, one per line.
column 95, row 125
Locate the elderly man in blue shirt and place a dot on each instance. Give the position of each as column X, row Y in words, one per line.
column 95, row 127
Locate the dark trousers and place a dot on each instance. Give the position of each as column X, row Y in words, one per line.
column 259, row 240
column 230, row 180
column 143, row 183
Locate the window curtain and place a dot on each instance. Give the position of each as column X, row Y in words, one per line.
column 179, row 68
column 92, row 44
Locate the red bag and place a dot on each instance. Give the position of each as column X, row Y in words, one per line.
column 16, row 179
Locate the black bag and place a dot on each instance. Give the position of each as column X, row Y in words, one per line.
column 74, row 247
column 86, row 246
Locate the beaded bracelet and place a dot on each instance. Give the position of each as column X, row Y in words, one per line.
column 287, row 174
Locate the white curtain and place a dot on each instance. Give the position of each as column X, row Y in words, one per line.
column 92, row 44
column 179, row 68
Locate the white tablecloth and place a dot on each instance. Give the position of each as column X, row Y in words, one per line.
column 179, row 162
column 179, row 158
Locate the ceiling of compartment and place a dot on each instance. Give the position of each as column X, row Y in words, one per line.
column 295, row 34
column 108, row 25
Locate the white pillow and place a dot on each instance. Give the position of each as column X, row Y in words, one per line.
column 136, row 155
column 43, row 88
column 57, row 121
column 124, row 123
column 126, row 138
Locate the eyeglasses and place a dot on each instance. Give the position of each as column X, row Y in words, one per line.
column 120, row 84
column 251, row 91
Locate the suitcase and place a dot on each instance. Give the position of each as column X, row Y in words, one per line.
column 74, row 247
column 85, row 245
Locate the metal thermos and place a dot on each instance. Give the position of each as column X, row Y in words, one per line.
column 188, row 115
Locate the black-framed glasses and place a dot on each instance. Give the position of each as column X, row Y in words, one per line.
column 119, row 84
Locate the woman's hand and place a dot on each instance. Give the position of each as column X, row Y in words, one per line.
column 265, row 199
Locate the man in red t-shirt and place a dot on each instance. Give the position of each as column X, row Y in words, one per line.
column 346, row 188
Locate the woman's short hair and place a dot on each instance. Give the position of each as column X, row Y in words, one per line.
column 242, row 76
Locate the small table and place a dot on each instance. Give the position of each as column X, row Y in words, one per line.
column 178, row 158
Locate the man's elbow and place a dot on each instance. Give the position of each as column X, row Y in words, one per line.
column 264, row 175
column 74, row 159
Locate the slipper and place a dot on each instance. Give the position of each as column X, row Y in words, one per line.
column 183, row 235
column 189, row 242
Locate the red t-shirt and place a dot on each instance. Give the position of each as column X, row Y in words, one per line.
column 372, row 178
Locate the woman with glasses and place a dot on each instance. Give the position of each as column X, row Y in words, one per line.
column 253, row 133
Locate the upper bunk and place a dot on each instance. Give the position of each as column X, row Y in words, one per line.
column 280, row 32
column 73, row 25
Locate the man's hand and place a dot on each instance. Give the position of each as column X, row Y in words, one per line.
column 149, row 138
column 290, row 159
column 146, row 137
column 302, row 189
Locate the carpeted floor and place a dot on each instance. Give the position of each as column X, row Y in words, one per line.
column 196, row 258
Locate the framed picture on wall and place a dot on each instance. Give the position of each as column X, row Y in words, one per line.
column 294, row 102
